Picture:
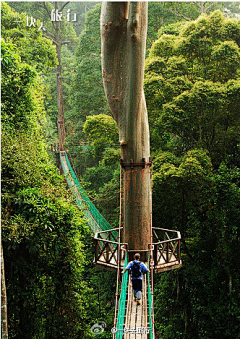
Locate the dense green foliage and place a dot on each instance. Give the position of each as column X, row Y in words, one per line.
column 47, row 247
column 89, row 122
column 41, row 230
column 192, row 89
column 102, row 131
column 87, row 94
column 163, row 13
column 103, row 180
column 192, row 86
column 34, row 49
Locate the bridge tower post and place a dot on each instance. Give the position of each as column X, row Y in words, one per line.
column 123, row 32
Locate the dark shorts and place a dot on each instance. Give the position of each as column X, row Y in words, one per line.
column 137, row 285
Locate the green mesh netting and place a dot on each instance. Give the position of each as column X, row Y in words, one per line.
column 122, row 303
column 150, row 304
column 94, row 218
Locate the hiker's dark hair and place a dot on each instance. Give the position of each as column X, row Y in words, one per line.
column 137, row 256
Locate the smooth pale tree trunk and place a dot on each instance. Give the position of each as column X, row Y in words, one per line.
column 123, row 34
column 57, row 39
column 3, row 299
column 61, row 128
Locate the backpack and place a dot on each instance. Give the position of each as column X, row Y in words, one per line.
column 136, row 270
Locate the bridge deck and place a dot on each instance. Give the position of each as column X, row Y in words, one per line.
column 136, row 315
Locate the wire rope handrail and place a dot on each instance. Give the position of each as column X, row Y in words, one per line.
column 150, row 304
column 102, row 222
column 95, row 219
column 122, row 303
column 93, row 225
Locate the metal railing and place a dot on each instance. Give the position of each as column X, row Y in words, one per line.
column 166, row 249
column 108, row 250
column 121, row 306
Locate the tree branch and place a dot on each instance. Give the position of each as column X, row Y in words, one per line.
column 49, row 14
column 209, row 6
column 180, row 14
column 64, row 6
column 46, row 8
column 202, row 7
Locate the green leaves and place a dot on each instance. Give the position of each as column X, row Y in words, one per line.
column 163, row 47
column 33, row 48
column 44, row 256
column 227, row 61
column 101, row 129
column 42, row 230
column 195, row 166
column 192, row 92
column 188, row 75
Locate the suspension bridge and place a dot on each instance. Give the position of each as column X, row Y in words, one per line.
column 131, row 321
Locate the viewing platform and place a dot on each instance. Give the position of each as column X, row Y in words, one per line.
column 165, row 249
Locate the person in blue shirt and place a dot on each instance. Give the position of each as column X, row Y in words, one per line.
column 137, row 269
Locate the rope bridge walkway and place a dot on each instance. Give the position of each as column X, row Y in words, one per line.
column 131, row 321
column 134, row 321
column 94, row 218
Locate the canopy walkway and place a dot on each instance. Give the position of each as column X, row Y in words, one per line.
column 94, row 219
column 134, row 321
column 131, row 321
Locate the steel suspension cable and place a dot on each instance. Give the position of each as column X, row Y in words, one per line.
column 122, row 303
column 150, row 303
column 94, row 218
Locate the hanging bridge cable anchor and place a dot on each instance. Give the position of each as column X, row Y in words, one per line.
column 133, row 164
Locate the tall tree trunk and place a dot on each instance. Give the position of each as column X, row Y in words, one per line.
column 61, row 128
column 123, row 32
column 3, row 299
